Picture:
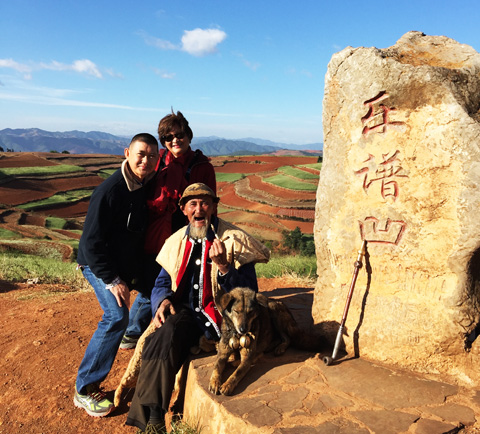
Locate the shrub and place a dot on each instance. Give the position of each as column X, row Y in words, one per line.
column 296, row 242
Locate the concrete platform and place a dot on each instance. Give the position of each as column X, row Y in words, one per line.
column 298, row 394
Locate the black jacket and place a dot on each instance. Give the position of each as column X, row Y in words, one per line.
column 113, row 233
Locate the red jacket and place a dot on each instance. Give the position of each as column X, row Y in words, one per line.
column 173, row 176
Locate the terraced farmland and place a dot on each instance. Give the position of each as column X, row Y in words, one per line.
column 279, row 191
column 37, row 186
column 262, row 194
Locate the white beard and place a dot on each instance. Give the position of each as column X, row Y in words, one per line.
column 198, row 233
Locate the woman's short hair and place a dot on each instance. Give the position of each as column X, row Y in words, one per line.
column 173, row 121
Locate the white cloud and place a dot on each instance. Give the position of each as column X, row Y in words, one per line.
column 86, row 66
column 197, row 42
column 161, row 44
column 54, row 101
column 10, row 63
column 252, row 65
column 200, row 42
column 25, row 92
column 19, row 67
column 164, row 74
column 82, row 66
column 113, row 74
column 294, row 71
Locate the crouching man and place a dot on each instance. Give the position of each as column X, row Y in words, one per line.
column 110, row 255
column 199, row 263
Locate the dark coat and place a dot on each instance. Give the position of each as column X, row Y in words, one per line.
column 113, row 234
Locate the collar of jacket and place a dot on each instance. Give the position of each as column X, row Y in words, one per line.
column 132, row 182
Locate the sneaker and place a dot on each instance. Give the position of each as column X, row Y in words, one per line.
column 129, row 342
column 94, row 402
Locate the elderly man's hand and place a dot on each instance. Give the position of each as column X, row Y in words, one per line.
column 218, row 254
column 121, row 293
column 166, row 308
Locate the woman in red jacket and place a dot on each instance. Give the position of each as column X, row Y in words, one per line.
column 178, row 167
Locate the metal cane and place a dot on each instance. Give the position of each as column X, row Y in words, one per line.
column 358, row 264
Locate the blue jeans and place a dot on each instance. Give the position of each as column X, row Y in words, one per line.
column 140, row 316
column 102, row 349
column 141, row 310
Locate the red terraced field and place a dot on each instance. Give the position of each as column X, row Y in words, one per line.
column 76, row 210
column 259, row 207
column 68, row 233
column 281, row 160
column 257, row 183
column 268, row 223
column 33, row 226
column 276, row 203
column 243, row 189
column 251, row 218
column 305, row 227
column 229, row 198
column 257, row 164
column 35, row 220
column 310, row 170
column 20, row 191
column 24, row 160
column 243, row 167
column 307, row 214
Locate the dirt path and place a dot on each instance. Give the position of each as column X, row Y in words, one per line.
column 44, row 332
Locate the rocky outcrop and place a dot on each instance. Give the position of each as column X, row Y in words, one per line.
column 401, row 170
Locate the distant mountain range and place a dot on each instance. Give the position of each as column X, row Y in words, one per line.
column 95, row 142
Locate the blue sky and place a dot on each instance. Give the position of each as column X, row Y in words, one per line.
column 234, row 68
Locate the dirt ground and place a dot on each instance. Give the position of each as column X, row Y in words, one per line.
column 44, row 332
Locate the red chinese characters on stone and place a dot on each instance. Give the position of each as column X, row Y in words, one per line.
column 382, row 232
column 377, row 119
column 386, row 173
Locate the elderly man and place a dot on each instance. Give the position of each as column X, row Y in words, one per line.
column 110, row 255
column 199, row 263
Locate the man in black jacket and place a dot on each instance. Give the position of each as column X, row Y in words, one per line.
column 110, row 255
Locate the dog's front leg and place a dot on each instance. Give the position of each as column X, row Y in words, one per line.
column 216, row 378
column 246, row 361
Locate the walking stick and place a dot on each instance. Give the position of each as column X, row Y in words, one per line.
column 358, row 264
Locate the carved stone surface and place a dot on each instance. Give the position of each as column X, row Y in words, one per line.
column 401, row 169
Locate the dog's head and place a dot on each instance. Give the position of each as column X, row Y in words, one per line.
column 241, row 306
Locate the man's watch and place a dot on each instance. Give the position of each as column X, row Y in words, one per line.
column 113, row 283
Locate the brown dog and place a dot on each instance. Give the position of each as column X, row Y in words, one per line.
column 253, row 324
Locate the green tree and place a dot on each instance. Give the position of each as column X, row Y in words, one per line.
column 296, row 242
column 308, row 248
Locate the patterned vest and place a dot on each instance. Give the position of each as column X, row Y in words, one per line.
column 194, row 282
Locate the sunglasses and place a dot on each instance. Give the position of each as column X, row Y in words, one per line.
column 170, row 137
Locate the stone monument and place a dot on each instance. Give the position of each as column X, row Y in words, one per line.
column 401, row 170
